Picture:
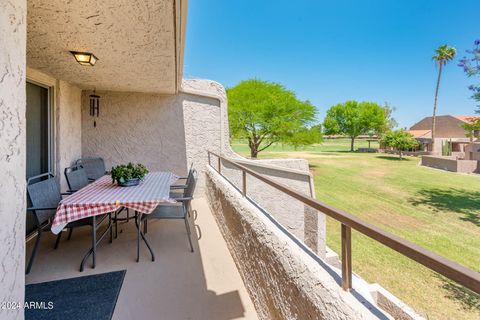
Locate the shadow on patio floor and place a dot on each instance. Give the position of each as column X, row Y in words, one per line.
column 178, row 285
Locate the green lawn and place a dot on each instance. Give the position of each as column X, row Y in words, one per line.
column 437, row 210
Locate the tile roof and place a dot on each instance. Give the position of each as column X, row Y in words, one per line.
column 420, row 133
column 466, row 118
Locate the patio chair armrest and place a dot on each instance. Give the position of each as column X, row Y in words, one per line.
column 68, row 192
column 40, row 208
column 183, row 199
column 179, row 186
column 182, row 178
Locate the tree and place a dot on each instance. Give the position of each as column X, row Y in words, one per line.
column 399, row 140
column 354, row 118
column 471, row 66
column 266, row 112
column 390, row 122
column 443, row 54
column 471, row 127
column 305, row 136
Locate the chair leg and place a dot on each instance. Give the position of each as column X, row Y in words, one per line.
column 188, row 234
column 34, row 251
column 70, row 233
column 128, row 214
column 58, row 240
column 145, row 227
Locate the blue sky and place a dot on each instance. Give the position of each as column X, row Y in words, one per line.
column 332, row 51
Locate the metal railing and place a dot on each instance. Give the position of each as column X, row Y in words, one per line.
column 452, row 270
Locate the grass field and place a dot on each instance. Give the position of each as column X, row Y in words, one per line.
column 435, row 209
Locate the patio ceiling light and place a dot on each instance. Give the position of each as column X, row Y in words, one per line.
column 85, row 58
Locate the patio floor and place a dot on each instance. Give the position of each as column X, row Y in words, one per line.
column 178, row 285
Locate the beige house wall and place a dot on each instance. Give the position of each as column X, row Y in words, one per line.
column 136, row 127
column 164, row 132
column 472, row 151
column 12, row 155
column 446, row 126
column 68, row 128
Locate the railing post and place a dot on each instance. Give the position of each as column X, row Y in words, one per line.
column 219, row 165
column 244, row 185
column 346, row 257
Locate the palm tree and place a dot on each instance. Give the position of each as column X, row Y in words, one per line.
column 443, row 54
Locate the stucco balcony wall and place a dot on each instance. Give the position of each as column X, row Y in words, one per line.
column 300, row 220
column 283, row 280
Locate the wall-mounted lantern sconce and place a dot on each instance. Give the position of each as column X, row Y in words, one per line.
column 94, row 106
column 85, row 58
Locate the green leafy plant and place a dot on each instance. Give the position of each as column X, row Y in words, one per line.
column 354, row 118
column 123, row 173
column 265, row 113
column 399, row 140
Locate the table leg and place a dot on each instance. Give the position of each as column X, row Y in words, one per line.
column 138, row 223
column 94, row 241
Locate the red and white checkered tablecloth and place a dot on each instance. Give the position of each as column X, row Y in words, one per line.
column 102, row 196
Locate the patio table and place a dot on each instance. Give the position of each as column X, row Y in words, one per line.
column 102, row 196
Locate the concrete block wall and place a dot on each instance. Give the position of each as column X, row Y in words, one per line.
column 451, row 163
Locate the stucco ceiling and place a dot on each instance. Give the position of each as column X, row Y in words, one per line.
column 136, row 42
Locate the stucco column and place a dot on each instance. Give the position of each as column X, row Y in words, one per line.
column 12, row 155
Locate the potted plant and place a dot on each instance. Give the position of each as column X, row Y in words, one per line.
column 128, row 175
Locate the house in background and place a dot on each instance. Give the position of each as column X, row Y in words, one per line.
column 448, row 129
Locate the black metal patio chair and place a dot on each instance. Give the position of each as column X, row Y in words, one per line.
column 77, row 177
column 94, row 166
column 187, row 179
column 45, row 196
column 176, row 191
column 178, row 210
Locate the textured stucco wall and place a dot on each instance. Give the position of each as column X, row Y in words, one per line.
column 134, row 41
column 136, row 127
column 300, row 220
column 12, row 154
column 283, row 281
column 68, row 116
column 164, row 132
